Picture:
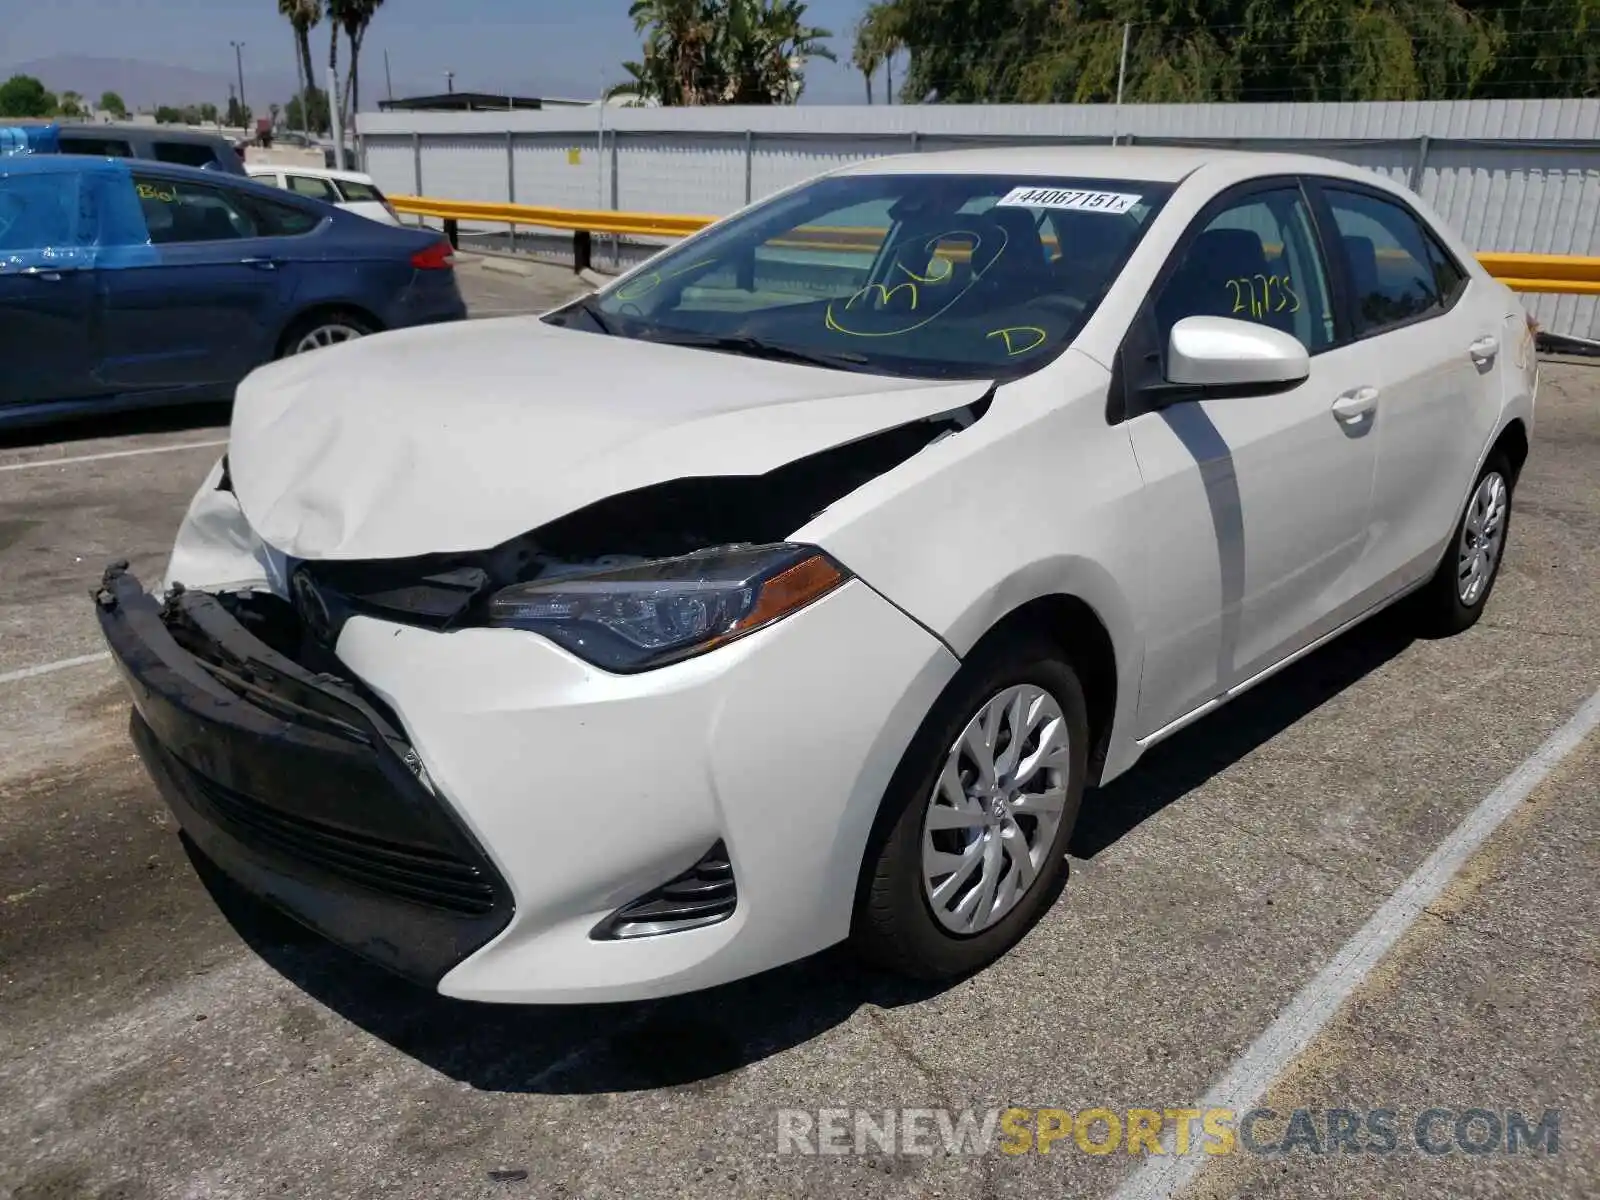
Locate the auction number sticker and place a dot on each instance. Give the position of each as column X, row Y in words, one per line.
column 1069, row 198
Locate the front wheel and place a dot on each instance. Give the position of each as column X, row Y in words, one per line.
column 1453, row 600
column 970, row 845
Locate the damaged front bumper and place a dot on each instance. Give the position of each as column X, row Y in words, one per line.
column 482, row 811
column 298, row 786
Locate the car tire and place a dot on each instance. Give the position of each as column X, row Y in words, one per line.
column 902, row 921
column 1453, row 600
column 327, row 328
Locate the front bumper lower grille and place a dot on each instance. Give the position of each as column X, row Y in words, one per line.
column 421, row 876
column 703, row 895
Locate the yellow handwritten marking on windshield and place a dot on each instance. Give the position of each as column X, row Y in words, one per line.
column 1259, row 295
column 831, row 318
column 632, row 290
column 949, row 270
column 148, row 191
column 885, row 294
column 1012, row 348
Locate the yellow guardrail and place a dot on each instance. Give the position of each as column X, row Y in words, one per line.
column 1522, row 272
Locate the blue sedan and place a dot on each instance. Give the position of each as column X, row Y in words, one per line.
column 124, row 283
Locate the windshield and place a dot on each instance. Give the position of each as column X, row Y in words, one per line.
column 943, row 276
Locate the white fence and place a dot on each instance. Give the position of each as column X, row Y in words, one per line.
column 1518, row 176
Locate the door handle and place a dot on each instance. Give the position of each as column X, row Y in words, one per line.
column 1484, row 348
column 1351, row 406
column 261, row 264
column 48, row 274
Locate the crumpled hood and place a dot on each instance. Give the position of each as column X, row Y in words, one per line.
column 459, row 437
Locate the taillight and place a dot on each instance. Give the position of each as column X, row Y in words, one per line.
column 438, row 257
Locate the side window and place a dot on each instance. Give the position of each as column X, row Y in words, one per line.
column 98, row 147
column 185, row 154
column 1448, row 276
column 279, row 220
column 180, row 211
column 1392, row 271
column 312, row 187
column 43, row 211
column 1255, row 260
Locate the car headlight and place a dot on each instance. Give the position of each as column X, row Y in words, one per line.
column 641, row 616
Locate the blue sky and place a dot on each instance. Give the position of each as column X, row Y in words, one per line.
column 554, row 47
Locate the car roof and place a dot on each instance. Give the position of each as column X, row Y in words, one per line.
column 166, row 133
column 66, row 164
column 261, row 168
column 1153, row 164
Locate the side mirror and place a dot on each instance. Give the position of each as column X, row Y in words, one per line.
column 1222, row 356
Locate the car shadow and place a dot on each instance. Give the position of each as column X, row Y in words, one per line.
column 83, row 427
column 694, row 1041
column 1185, row 761
column 679, row 1042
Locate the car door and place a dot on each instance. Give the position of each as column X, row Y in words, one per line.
column 1432, row 338
column 208, row 312
column 46, row 287
column 1256, row 507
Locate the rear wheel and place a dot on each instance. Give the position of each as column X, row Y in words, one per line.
column 324, row 329
column 1453, row 600
column 971, row 842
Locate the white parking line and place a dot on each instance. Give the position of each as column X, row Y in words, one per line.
column 50, row 668
column 1253, row 1073
column 83, row 458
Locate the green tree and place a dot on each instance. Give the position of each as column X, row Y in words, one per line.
column 317, row 110
column 238, row 114
column 25, row 96
column 1248, row 50
column 112, row 103
column 723, row 51
column 208, row 114
column 166, row 114
column 70, row 106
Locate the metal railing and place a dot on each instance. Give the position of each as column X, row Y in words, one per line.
column 1560, row 273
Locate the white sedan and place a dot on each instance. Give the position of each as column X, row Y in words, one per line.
column 350, row 190
column 793, row 588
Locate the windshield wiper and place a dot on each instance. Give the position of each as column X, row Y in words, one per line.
column 753, row 347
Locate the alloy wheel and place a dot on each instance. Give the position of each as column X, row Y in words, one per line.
column 327, row 335
column 1483, row 535
column 993, row 814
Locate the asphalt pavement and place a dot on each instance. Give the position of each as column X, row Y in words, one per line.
column 161, row 1036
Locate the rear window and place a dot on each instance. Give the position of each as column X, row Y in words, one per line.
column 98, row 147
column 186, row 154
column 358, row 193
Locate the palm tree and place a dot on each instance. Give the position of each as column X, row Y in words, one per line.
column 770, row 44
column 303, row 15
column 866, row 56
column 678, row 64
column 722, row 51
column 879, row 37
column 352, row 16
